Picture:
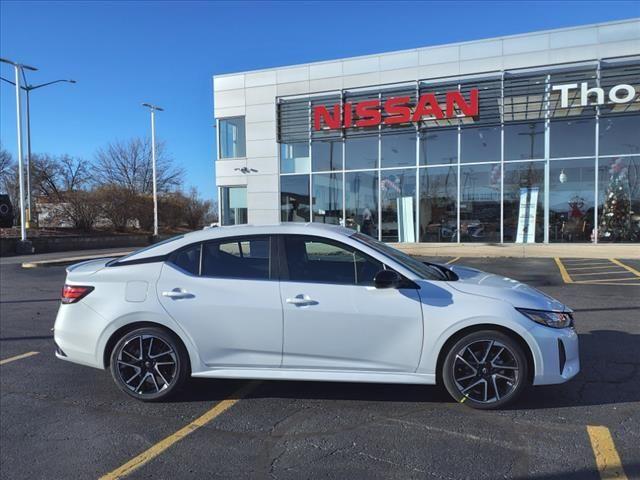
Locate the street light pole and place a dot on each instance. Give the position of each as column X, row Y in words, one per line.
column 27, row 88
column 153, row 109
column 24, row 246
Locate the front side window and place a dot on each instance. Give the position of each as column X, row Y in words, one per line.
column 315, row 260
column 232, row 137
column 243, row 258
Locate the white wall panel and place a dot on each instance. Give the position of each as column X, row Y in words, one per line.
column 261, row 131
column 261, row 113
column 399, row 60
column 294, row 88
column 481, row 65
column 258, row 200
column 440, row 70
column 325, row 70
column 264, row 165
column 230, row 180
column 230, row 82
column 525, row 60
column 491, row 48
column 616, row 49
column 431, row 56
column 574, row 54
column 363, row 80
column 288, row 75
column 619, row 32
column 227, row 168
column 260, row 95
column 261, row 148
column 325, row 84
column 264, row 217
column 361, row 65
column 229, row 98
column 229, row 112
column 529, row 43
column 573, row 38
column 260, row 79
column 402, row 75
column 262, row 183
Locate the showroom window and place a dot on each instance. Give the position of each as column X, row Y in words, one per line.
column 232, row 137
column 294, row 157
column 524, row 141
column 523, row 200
column 294, row 198
column 397, row 203
column 572, row 138
column 327, row 198
column 326, row 155
column 480, row 203
column 361, row 153
column 571, row 200
column 619, row 135
column 438, row 146
column 619, row 199
column 233, row 202
column 479, row 144
column 361, row 198
column 438, row 204
column 398, row 150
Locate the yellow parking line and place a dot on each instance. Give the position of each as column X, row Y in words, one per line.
column 596, row 273
column 162, row 445
column 604, row 450
column 18, row 357
column 563, row 271
column 626, row 267
column 604, row 265
column 452, row 260
column 606, row 280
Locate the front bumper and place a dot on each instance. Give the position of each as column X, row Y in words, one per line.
column 558, row 356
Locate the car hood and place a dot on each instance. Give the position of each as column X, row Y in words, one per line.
column 520, row 295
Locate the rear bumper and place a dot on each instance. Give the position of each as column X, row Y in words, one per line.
column 559, row 357
column 76, row 333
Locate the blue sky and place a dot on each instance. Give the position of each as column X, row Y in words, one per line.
column 123, row 53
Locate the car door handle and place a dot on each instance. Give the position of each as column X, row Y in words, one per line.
column 177, row 293
column 301, row 301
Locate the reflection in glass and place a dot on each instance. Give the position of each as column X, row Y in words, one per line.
column 327, row 198
column 619, row 135
column 294, row 157
column 480, row 203
column 361, row 153
column 572, row 138
column 361, row 199
column 479, row 144
column 326, row 155
column 397, row 200
column 438, row 204
column 294, row 198
column 232, row 137
column 619, row 199
column 523, row 141
column 399, row 150
column 571, row 200
column 523, row 202
column 234, row 205
column 438, row 146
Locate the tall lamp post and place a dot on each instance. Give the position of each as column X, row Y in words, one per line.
column 27, row 88
column 152, row 109
column 24, row 246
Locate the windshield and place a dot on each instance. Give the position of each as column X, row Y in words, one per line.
column 422, row 270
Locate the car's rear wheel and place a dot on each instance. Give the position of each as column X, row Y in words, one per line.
column 485, row 370
column 149, row 364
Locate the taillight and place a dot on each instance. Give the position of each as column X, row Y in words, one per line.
column 74, row 293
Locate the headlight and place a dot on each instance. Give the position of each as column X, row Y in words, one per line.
column 550, row 319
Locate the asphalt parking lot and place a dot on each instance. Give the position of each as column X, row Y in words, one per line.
column 60, row 420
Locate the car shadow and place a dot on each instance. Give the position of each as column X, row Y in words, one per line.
column 610, row 374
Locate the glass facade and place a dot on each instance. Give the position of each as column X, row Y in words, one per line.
column 232, row 137
column 233, row 205
column 530, row 167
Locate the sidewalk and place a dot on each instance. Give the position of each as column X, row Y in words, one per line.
column 563, row 250
column 64, row 257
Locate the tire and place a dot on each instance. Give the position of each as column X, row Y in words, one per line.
column 157, row 373
column 486, row 370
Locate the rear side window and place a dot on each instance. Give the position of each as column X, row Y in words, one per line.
column 311, row 259
column 246, row 258
column 187, row 259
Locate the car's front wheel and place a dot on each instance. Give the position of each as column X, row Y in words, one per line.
column 485, row 370
column 149, row 364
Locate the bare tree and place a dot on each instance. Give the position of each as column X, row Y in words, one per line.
column 53, row 177
column 196, row 210
column 6, row 166
column 128, row 164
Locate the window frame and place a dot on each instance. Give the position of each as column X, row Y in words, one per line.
column 283, row 266
column 273, row 270
column 218, row 136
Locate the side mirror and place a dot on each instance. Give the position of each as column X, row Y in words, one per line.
column 387, row 279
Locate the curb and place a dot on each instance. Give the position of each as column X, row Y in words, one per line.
column 69, row 260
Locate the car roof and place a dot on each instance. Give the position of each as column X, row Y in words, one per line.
column 212, row 233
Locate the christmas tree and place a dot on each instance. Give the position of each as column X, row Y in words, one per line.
column 615, row 221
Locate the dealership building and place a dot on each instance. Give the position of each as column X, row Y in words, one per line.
column 531, row 138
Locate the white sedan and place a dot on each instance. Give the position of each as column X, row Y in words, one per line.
column 309, row 302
